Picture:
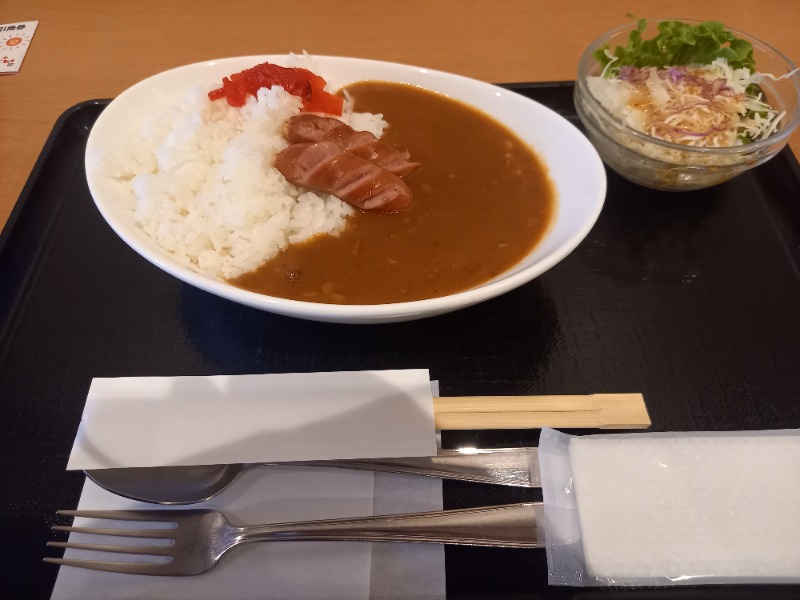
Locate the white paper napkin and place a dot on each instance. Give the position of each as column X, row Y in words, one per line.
column 407, row 571
column 272, row 494
column 285, row 570
column 156, row 421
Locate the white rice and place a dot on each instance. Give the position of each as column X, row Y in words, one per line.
column 200, row 182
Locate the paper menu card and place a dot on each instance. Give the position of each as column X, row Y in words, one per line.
column 14, row 41
column 159, row 421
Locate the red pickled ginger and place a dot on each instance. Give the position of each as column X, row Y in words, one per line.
column 304, row 84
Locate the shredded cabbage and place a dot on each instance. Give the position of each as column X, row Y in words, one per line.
column 712, row 105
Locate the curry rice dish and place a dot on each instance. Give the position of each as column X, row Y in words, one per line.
column 482, row 200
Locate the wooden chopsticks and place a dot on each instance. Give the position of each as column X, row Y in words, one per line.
column 595, row 411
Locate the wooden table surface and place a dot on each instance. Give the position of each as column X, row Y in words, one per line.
column 88, row 49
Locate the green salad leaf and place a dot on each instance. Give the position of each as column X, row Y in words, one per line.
column 676, row 44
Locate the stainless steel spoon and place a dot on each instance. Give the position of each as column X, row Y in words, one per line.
column 518, row 467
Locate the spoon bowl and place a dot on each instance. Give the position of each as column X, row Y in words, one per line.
column 168, row 485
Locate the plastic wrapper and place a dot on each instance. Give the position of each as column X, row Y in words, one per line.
column 664, row 509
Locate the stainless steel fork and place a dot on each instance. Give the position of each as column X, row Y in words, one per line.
column 202, row 537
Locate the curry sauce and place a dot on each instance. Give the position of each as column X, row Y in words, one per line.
column 482, row 200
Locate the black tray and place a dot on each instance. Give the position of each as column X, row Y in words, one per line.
column 692, row 299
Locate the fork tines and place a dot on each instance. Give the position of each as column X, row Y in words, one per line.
column 160, row 516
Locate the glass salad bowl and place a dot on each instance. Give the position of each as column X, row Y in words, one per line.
column 667, row 165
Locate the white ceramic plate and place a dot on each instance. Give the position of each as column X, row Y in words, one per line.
column 573, row 164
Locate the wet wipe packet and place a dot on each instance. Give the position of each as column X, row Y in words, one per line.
column 665, row 509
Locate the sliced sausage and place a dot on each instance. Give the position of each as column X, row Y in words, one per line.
column 313, row 128
column 307, row 127
column 327, row 167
